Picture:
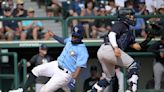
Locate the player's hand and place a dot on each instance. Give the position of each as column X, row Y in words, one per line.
column 71, row 84
column 50, row 33
column 117, row 52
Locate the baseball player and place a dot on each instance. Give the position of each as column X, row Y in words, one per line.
column 68, row 65
column 158, row 66
column 112, row 53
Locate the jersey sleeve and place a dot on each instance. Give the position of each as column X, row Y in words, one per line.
column 82, row 57
column 67, row 40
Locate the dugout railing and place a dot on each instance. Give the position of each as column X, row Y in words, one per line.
column 16, row 67
column 13, row 75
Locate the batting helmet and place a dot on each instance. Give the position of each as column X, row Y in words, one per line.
column 124, row 14
column 77, row 32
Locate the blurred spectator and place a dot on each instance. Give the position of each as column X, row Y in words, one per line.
column 158, row 66
column 129, row 4
column 139, row 27
column 12, row 28
column 111, row 8
column 89, row 10
column 49, row 12
column 153, row 5
column 11, row 4
column 32, row 28
column 142, row 9
column 56, row 6
column 41, row 58
column 76, row 6
column 120, row 3
column 158, row 21
column 89, row 82
column 2, row 36
column 101, row 26
column 1, row 10
column 19, row 11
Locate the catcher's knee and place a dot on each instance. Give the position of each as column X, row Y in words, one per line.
column 133, row 69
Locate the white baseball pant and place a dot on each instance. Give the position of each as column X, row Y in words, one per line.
column 59, row 78
column 108, row 60
column 158, row 70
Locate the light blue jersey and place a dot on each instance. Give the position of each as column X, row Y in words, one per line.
column 73, row 56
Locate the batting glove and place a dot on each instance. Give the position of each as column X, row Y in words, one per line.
column 71, row 84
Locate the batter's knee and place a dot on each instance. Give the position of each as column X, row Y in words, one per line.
column 35, row 71
column 46, row 89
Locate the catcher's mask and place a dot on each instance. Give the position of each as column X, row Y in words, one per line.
column 127, row 15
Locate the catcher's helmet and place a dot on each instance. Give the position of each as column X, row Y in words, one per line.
column 77, row 31
column 125, row 15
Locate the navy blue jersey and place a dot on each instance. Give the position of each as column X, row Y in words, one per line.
column 124, row 36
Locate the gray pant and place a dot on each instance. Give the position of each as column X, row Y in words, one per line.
column 108, row 60
column 158, row 69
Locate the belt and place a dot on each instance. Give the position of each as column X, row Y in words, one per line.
column 64, row 69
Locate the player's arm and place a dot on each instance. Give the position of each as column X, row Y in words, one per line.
column 81, row 61
column 136, row 46
column 59, row 39
column 112, row 39
column 76, row 73
column 143, row 44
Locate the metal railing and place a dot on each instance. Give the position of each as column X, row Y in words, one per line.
column 66, row 21
column 22, row 65
column 15, row 74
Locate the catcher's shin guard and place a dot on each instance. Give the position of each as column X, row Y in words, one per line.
column 100, row 85
column 133, row 72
